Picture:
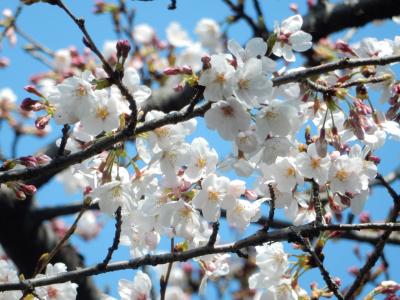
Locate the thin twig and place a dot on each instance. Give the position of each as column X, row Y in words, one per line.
column 42, row 263
column 317, row 202
column 324, row 272
column 164, row 279
column 214, row 234
column 271, row 212
column 64, row 139
column 12, row 21
column 362, row 276
column 115, row 244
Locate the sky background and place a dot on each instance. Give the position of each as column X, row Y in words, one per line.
column 50, row 26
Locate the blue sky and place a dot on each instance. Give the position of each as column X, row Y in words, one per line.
column 50, row 26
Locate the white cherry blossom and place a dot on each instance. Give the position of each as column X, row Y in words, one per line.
column 228, row 118
column 290, row 36
column 218, row 80
column 139, row 288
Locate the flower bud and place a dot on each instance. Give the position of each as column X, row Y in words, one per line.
column 172, row 71
column 43, row 159
column 28, row 161
column 31, row 89
column 187, row 70
column 42, row 122
column 29, row 104
column 123, row 48
column 27, row 189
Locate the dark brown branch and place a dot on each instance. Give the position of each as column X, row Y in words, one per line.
column 326, row 18
column 100, row 145
column 271, row 212
column 286, row 234
column 107, row 142
column 213, row 236
column 64, row 139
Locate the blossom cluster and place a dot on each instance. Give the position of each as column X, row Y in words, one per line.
column 174, row 185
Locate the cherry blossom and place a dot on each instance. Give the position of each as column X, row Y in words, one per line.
column 289, row 36
column 228, row 118
column 57, row 291
column 137, row 289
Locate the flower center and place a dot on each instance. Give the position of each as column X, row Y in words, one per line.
column 80, row 91
column 102, row 113
column 228, row 111
column 220, row 78
column 213, row 196
column 201, row 163
column 315, row 163
column 243, row 84
column 342, row 175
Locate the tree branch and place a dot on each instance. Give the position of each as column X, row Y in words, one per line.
column 287, row 234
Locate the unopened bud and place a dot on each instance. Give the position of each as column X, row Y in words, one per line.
column 344, row 47
column 206, row 62
column 4, row 62
column 43, row 159
column 28, row 161
column 31, row 89
column 123, row 48
column 28, row 189
column 178, row 88
column 294, row 8
column 187, row 70
column 172, row 71
column 250, row 195
column 42, row 122
column 365, row 217
column 375, row 159
column 29, row 104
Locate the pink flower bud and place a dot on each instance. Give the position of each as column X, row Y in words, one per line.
column 28, row 189
column 178, row 88
column 365, row 217
column 42, row 122
column 31, row 89
column 172, row 71
column 206, row 60
column 43, row 159
column 353, row 270
column 28, row 161
column 344, row 47
column 29, row 104
column 375, row 159
column 123, row 48
column 4, row 62
column 294, row 8
column 187, row 70
column 250, row 195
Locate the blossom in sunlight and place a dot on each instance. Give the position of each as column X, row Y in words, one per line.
column 218, row 80
column 291, row 37
column 8, row 274
column 203, row 160
column 56, row 291
column 138, row 289
column 177, row 36
column 143, row 33
column 228, row 118
column 209, row 33
column 255, row 48
column 209, row 199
